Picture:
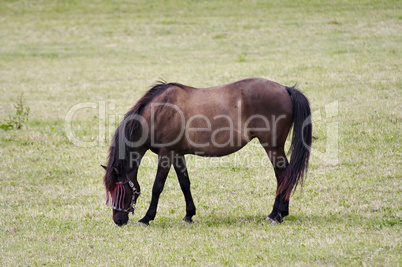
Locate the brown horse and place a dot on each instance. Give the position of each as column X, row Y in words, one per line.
column 172, row 120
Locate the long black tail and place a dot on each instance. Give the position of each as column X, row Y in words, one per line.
column 301, row 144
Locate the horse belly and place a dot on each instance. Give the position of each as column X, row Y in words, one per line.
column 217, row 135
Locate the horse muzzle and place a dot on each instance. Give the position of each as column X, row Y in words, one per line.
column 120, row 218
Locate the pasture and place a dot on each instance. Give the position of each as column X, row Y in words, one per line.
column 82, row 64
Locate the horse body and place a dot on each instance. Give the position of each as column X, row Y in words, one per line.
column 173, row 120
column 220, row 120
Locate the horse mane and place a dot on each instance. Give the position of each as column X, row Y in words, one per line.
column 114, row 161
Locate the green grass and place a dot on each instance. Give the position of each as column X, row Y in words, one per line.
column 342, row 54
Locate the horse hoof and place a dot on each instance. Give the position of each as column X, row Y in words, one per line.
column 275, row 222
column 142, row 223
column 187, row 221
column 272, row 221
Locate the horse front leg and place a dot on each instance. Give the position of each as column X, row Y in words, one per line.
column 164, row 163
column 181, row 171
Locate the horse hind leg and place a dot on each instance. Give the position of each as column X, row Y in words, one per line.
column 279, row 161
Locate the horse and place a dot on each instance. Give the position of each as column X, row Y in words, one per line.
column 173, row 120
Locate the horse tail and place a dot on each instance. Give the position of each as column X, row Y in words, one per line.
column 300, row 146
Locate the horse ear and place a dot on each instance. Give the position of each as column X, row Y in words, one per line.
column 104, row 167
column 116, row 170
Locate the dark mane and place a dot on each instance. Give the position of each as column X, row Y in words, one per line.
column 115, row 159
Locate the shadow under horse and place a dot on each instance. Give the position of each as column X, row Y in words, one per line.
column 172, row 120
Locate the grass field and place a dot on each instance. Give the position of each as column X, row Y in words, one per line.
column 344, row 55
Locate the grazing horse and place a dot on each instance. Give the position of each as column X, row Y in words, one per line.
column 172, row 120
